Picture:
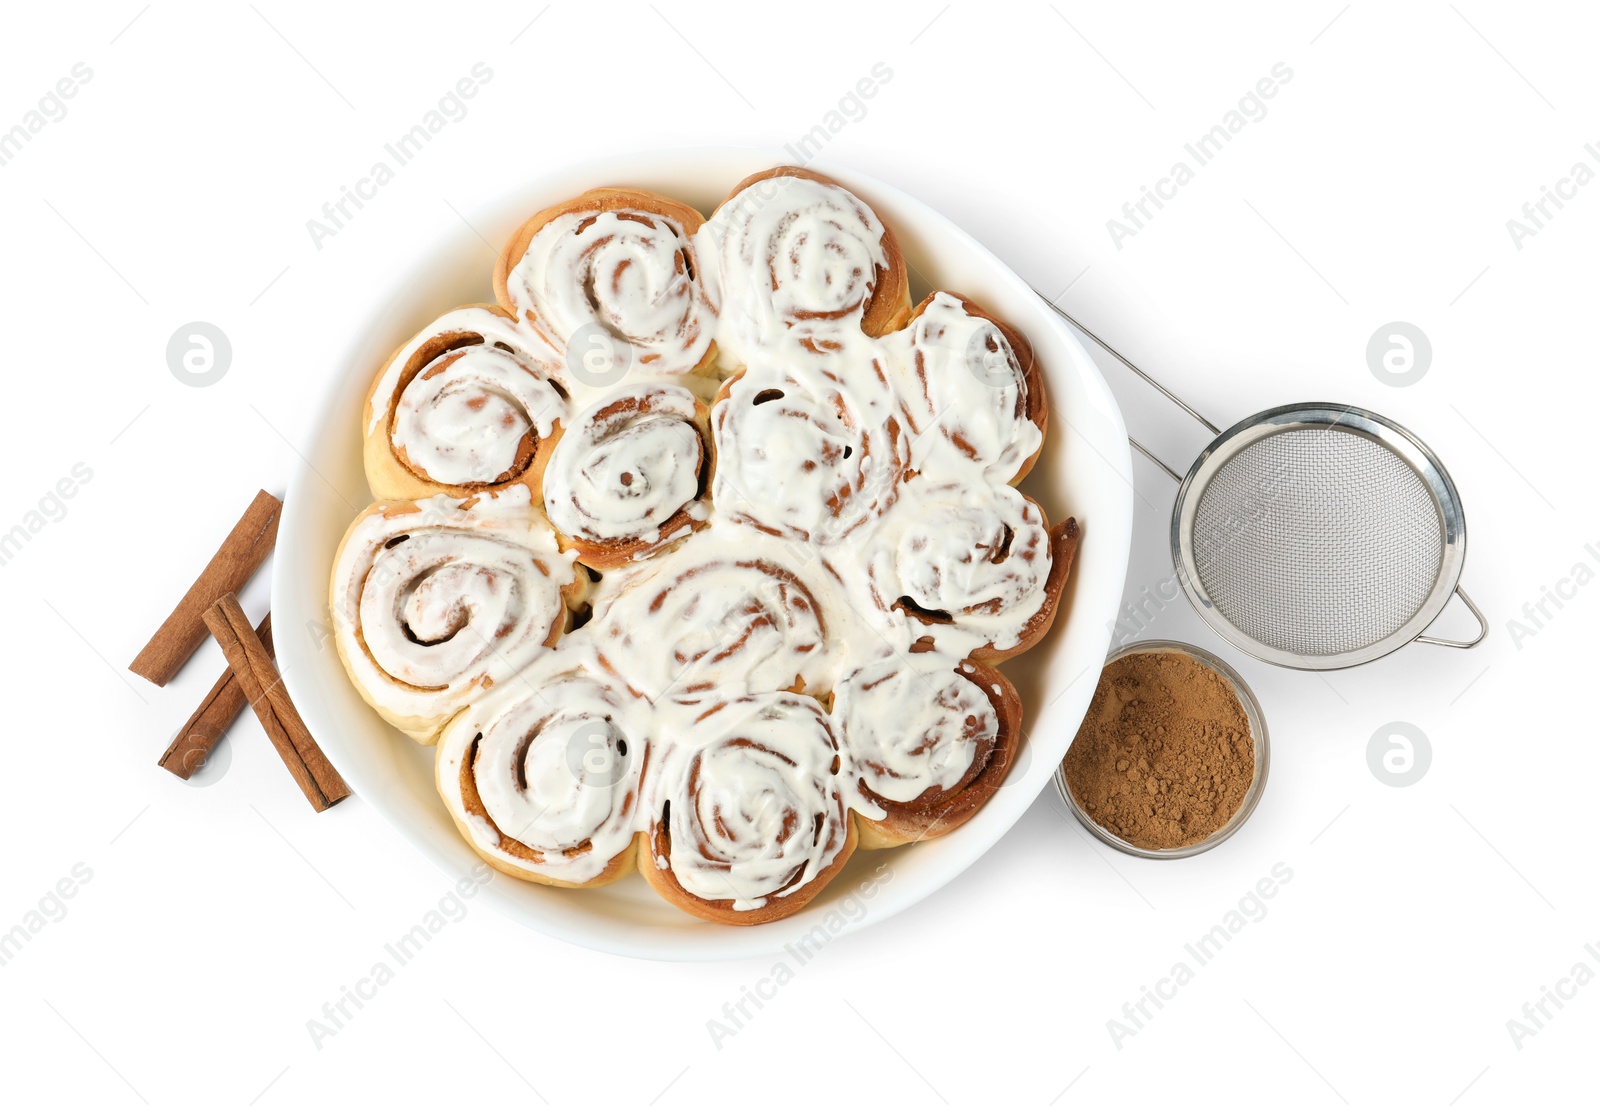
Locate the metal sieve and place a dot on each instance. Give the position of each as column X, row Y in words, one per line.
column 1315, row 536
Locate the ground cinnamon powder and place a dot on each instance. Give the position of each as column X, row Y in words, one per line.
column 1165, row 756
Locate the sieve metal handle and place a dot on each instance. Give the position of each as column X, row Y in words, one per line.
column 1149, row 454
column 1483, row 627
column 1163, row 390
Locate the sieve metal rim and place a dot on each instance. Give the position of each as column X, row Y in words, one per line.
column 1262, row 745
column 1349, row 420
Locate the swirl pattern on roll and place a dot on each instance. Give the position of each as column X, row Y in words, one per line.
column 617, row 265
column 914, row 728
column 752, row 810
column 967, row 390
column 464, row 406
column 438, row 600
column 544, row 778
column 977, row 558
column 799, row 258
column 729, row 617
column 473, row 418
column 801, row 456
column 629, row 475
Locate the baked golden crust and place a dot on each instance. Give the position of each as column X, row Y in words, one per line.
column 1036, row 401
column 461, row 781
column 1064, row 539
column 607, row 198
column 936, row 812
column 391, row 474
column 656, row 845
column 604, row 554
column 406, row 705
column 889, row 306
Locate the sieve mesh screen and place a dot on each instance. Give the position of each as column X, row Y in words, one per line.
column 1317, row 541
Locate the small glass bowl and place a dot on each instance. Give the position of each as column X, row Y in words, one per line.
column 1258, row 736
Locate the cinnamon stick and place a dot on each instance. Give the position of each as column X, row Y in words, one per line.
column 210, row 722
column 262, row 685
column 239, row 557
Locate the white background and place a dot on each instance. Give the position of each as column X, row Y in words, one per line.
column 221, row 918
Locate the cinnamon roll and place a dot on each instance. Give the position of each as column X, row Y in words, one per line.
column 970, row 390
column 610, row 280
column 803, row 456
column 976, row 569
column 630, row 474
column 799, row 257
column 748, row 821
column 543, row 778
column 466, row 405
column 928, row 740
column 435, row 602
column 713, row 617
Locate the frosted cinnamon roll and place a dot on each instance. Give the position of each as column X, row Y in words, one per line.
column 798, row 256
column 970, row 390
column 435, row 602
column 629, row 474
column 803, row 456
column 975, row 569
column 543, row 778
column 466, row 405
column 610, row 280
column 713, row 617
column 928, row 740
column 747, row 821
